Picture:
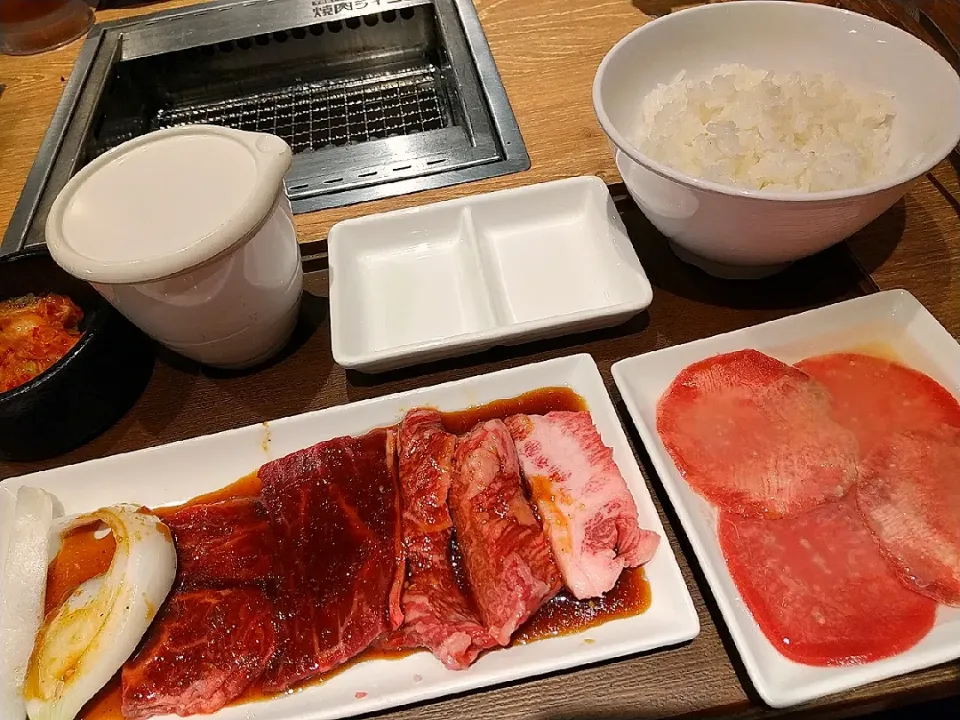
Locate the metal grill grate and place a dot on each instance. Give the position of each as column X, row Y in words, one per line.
column 311, row 116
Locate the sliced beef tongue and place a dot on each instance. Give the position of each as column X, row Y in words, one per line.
column 908, row 429
column 877, row 398
column 909, row 495
column 755, row 436
column 205, row 649
column 587, row 510
column 335, row 511
column 223, row 544
column 508, row 561
column 819, row 587
column 437, row 614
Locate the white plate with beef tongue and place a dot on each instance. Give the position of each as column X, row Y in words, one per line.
column 175, row 473
column 847, row 575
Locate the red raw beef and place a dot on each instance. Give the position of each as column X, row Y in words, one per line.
column 909, row 495
column 877, row 398
column 223, row 544
column 506, row 555
column 588, row 512
column 820, row 589
column 335, row 512
column 204, row 650
column 755, row 436
column 437, row 615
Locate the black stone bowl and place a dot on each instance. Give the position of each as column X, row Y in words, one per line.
column 86, row 391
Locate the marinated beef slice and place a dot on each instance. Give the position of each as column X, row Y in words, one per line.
column 508, row 560
column 335, row 512
column 437, row 613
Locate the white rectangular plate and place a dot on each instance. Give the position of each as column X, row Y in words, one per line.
column 464, row 275
column 893, row 320
column 172, row 474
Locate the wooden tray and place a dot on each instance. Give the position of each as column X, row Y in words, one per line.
column 184, row 400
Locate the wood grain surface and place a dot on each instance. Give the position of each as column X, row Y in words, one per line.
column 547, row 52
column 702, row 678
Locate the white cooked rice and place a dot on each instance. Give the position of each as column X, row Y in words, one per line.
column 769, row 131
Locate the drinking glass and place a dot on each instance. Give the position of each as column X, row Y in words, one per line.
column 34, row 26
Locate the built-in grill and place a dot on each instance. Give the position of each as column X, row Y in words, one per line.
column 311, row 116
column 376, row 97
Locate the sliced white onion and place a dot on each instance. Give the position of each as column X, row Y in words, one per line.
column 8, row 509
column 23, row 582
column 100, row 625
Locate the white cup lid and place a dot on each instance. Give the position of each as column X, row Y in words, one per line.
column 166, row 202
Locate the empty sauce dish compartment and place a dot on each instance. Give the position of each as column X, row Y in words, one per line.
column 407, row 281
column 461, row 276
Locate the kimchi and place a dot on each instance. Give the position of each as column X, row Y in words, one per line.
column 35, row 332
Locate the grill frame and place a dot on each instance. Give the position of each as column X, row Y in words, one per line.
column 479, row 137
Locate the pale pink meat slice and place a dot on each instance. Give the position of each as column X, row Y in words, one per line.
column 588, row 512
column 876, row 398
column 909, row 495
column 756, row 436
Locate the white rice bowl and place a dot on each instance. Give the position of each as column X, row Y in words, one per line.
column 742, row 126
column 743, row 185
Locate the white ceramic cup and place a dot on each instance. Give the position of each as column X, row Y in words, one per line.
column 234, row 312
column 220, row 279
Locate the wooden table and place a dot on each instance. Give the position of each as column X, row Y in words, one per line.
column 547, row 52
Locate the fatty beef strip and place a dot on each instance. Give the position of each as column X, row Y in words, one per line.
column 876, row 398
column 214, row 637
column 588, row 512
column 204, row 650
column 335, row 512
column 437, row 615
column 756, row 436
column 909, row 494
column 509, row 564
column 819, row 587
column 223, row 544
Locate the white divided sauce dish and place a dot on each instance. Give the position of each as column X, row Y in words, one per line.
column 464, row 275
column 189, row 233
